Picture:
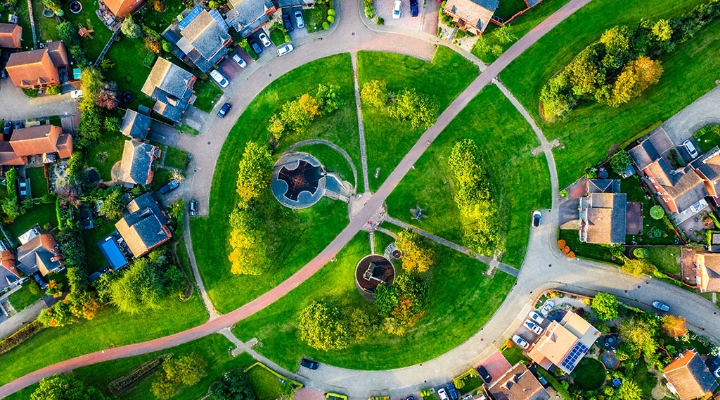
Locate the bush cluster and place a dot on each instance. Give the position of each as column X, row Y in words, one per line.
column 299, row 113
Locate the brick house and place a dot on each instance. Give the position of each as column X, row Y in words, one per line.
column 40, row 68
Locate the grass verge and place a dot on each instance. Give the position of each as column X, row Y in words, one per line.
column 28, row 294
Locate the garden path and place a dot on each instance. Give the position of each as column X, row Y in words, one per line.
column 361, row 128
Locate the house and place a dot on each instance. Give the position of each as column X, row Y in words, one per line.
column 137, row 162
column 121, row 8
column 681, row 190
column 564, row 343
column 40, row 68
column 39, row 140
column 689, row 377
column 144, row 225
column 471, row 15
column 9, row 274
column 171, row 87
column 518, row 383
column 202, row 37
column 135, row 125
column 247, row 16
column 707, row 167
column 603, row 212
column 10, row 36
column 708, row 271
column 39, row 254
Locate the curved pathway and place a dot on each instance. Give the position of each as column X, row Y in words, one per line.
column 333, row 146
column 439, row 368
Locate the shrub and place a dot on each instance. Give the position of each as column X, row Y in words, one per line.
column 331, row 12
column 640, row 252
column 25, row 333
column 566, row 249
column 330, row 19
column 54, row 90
column 657, row 212
column 325, row 25
column 167, row 46
column 561, row 243
column 149, row 60
column 30, row 92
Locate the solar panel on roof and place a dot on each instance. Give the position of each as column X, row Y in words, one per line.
column 190, row 17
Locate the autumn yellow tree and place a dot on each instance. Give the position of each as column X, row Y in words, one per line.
column 249, row 251
column 673, row 325
column 374, row 93
column 415, row 256
column 254, row 172
column 648, row 72
column 276, row 127
column 662, row 30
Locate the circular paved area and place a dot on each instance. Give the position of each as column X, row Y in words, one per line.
column 298, row 180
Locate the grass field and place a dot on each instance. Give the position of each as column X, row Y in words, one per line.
column 105, row 153
column 38, row 184
column 213, row 348
column 591, row 130
column 207, row 93
column 41, row 214
column 514, row 354
column 388, row 140
column 457, row 283
column 265, row 384
column 589, row 374
column 294, row 237
column 108, row 328
column 665, row 258
column 519, row 182
column 507, row 9
column 28, row 294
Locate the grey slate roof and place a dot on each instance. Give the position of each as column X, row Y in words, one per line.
column 203, row 39
column 136, row 163
column 603, row 185
column 248, row 15
column 144, row 225
column 146, row 201
column 135, row 125
column 294, row 3
column 650, row 148
column 171, row 88
column 491, row 5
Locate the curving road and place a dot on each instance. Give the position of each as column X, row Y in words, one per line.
column 544, row 266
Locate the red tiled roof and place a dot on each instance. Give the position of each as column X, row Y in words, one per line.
column 10, row 35
column 121, row 8
column 65, row 145
column 32, row 68
column 36, row 140
column 8, row 156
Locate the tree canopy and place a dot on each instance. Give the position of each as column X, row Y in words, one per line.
column 374, row 93
column 323, row 327
column 605, row 306
column 141, row 287
column 416, row 257
column 130, row 29
column 65, row 387
column 254, row 172
column 233, row 385
column 177, row 371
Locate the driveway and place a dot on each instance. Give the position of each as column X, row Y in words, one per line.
column 384, row 10
column 496, row 365
column 702, row 112
column 14, row 105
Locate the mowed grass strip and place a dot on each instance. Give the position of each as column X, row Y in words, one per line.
column 591, row 130
column 519, row 182
column 388, row 140
column 460, row 301
column 294, row 237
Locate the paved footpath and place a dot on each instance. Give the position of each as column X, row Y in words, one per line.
column 438, row 368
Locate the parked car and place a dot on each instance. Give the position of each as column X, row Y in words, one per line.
column 484, row 374
column 287, row 23
column 76, row 94
column 414, row 8
column 690, row 147
column 169, row 187
column 396, row 9
column 18, row 125
column 40, row 281
column 717, row 372
column 535, row 316
column 239, row 61
column 219, row 78
column 533, row 326
column 442, row 394
column 264, row 39
column 309, row 364
column 536, row 218
column 7, row 128
column 452, row 392
column 299, row 21
column 410, row 398
column 285, row 49
column 3, row 74
column 193, row 207
column 256, row 47
column 224, row 110
column 547, row 307
column 520, row 342
column 661, row 306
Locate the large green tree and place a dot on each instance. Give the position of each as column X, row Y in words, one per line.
column 323, row 327
column 409, row 106
column 233, row 385
column 177, row 371
column 640, row 332
column 130, row 29
column 113, row 204
column 65, row 387
column 254, row 172
column 141, row 287
column 605, row 306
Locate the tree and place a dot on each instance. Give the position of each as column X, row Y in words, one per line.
column 129, row 28
column 415, row 256
column 629, row 390
column 556, row 97
column 620, row 162
column 605, row 306
column 90, row 127
column 374, row 93
column 616, row 41
column 673, row 325
column 657, row 212
column 91, row 83
column 640, row 333
column 108, row 96
column 328, row 98
column 249, row 251
column 401, row 303
column 482, row 46
column 410, row 106
column 65, row 387
column 254, row 172
column 233, row 385
column 323, row 327
column 584, row 73
column 112, row 124
column 141, row 287
column 638, row 267
column 184, row 370
column 11, row 208
column 276, row 127
column 52, row 5
column 647, row 71
column 112, row 204
column 662, row 30
column 286, row 390
column 504, row 34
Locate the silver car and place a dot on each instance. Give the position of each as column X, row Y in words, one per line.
column 299, row 21
column 285, row 49
column 690, row 147
column 532, row 326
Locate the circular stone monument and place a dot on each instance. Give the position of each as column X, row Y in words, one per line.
column 372, row 271
column 298, row 180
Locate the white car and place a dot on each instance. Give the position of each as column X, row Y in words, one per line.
column 217, row 77
column 532, row 326
column 535, row 316
column 442, row 394
column 76, row 94
column 547, row 307
column 299, row 21
column 520, row 342
column 264, row 39
column 690, row 147
column 239, row 61
column 285, row 49
column 396, row 9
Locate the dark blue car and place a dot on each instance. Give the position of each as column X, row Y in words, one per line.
column 414, row 8
column 224, row 110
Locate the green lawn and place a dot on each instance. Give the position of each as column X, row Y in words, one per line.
column 585, row 250
column 457, row 283
column 160, row 178
column 708, row 137
column 265, row 384
column 38, row 184
column 105, row 153
column 28, row 294
column 41, row 214
column 277, row 36
column 333, row 161
column 644, row 378
column 95, row 258
column 631, row 186
column 665, row 258
column 514, row 354
column 519, row 182
column 591, row 130
column 294, row 237
column 23, row 14
column 388, row 140
column 213, row 348
column 175, row 158
column 520, row 26
column 207, row 93
column 94, row 43
column 508, row 8
column 589, row 374
column 108, row 328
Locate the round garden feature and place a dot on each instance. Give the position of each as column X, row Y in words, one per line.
column 298, row 180
column 372, row 271
column 589, row 374
column 75, row 7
